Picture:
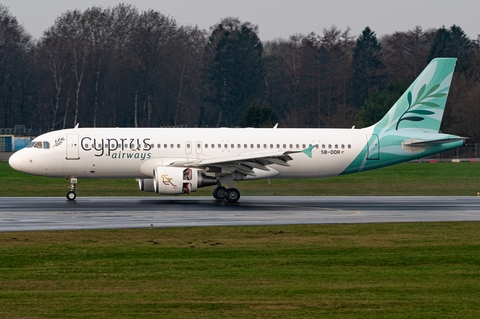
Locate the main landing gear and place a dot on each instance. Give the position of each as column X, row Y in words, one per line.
column 71, row 195
column 231, row 195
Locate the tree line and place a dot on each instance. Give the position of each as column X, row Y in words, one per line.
column 120, row 67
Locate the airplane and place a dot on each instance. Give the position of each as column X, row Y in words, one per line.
column 181, row 160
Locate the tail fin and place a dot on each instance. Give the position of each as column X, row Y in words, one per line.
column 422, row 105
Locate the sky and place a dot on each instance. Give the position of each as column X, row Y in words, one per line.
column 276, row 18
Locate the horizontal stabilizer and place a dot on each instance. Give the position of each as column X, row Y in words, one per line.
column 420, row 143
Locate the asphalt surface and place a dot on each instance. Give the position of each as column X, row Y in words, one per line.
column 55, row 213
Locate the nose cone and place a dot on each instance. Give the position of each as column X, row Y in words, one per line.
column 15, row 161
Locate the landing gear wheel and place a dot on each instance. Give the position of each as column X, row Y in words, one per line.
column 233, row 195
column 71, row 195
column 220, row 193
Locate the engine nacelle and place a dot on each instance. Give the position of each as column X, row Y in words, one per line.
column 175, row 180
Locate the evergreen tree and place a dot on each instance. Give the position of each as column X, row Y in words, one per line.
column 258, row 116
column 378, row 104
column 452, row 43
column 237, row 70
column 367, row 67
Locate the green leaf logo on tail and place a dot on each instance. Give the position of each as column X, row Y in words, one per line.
column 420, row 102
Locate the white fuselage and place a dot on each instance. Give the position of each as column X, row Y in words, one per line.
column 120, row 152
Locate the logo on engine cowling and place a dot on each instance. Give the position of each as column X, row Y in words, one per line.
column 167, row 180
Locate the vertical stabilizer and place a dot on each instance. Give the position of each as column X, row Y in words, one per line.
column 423, row 103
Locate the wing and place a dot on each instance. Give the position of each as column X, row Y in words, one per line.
column 244, row 163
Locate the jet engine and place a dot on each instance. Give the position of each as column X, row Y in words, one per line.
column 175, row 180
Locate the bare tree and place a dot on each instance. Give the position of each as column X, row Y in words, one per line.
column 98, row 34
column 405, row 53
column 152, row 35
column 15, row 69
column 70, row 26
column 52, row 55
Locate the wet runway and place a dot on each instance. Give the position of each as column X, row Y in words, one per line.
column 55, row 213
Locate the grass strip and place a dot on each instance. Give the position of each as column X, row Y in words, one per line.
column 415, row 270
column 426, row 179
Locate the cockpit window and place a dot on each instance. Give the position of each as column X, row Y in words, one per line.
column 40, row 144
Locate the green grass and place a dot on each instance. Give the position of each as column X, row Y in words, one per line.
column 459, row 179
column 417, row 270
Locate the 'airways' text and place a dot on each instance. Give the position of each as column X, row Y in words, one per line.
column 142, row 156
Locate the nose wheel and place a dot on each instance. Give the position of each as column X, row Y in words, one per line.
column 71, row 195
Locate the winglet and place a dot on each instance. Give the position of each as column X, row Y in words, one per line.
column 309, row 150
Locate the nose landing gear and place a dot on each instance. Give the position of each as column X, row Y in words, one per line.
column 71, row 195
